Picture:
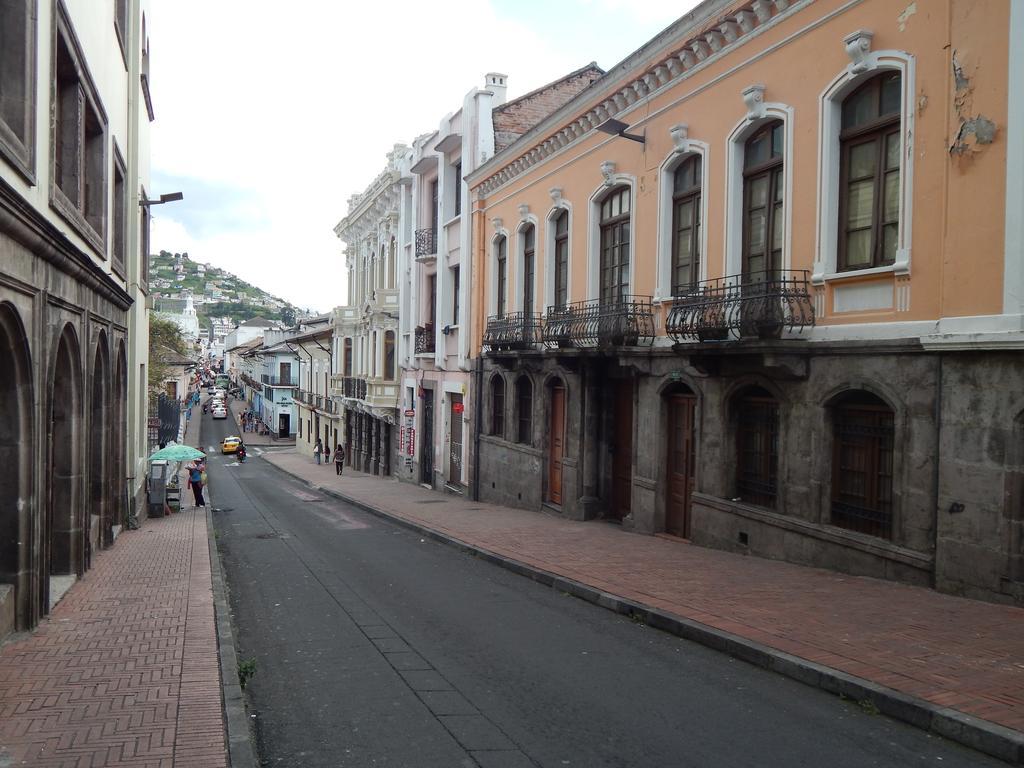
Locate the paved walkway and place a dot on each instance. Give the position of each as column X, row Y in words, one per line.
column 124, row 671
column 961, row 654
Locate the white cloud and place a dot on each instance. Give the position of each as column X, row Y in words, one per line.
column 295, row 111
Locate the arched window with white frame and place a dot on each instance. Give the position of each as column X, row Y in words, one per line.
column 764, row 227
column 869, row 174
column 686, row 225
column 614, row 245
column 865, row 181
column 560, row 257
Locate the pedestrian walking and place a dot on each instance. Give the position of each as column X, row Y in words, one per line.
column 339, row 459
column 327, row 455
column 195, row 479
column 317, row 449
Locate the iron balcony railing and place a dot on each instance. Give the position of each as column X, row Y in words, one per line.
column 252, row 382
column 424, row 339
column 353, row 388
column 758, row 304
column 426, row 242
column 513, row 330
column 628, row 322
column 280, row 381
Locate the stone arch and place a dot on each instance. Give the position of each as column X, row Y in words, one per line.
column 120, row 448
column 17, row 500
column 99, row 444
column 64, row 526
column 497, row 405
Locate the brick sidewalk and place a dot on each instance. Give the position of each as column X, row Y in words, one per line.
column 961, row 654
column 125, row 670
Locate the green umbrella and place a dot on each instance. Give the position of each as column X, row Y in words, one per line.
column 174, row 452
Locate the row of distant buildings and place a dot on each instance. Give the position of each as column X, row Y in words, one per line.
column 759, row 285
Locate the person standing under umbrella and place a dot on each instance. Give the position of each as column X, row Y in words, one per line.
column 195, row 479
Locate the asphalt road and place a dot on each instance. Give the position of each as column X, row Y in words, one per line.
column 374, row 647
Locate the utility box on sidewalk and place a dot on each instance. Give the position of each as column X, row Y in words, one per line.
column 156, row 487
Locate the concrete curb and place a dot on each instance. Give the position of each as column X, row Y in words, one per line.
column 992, row 739
column 240, row 749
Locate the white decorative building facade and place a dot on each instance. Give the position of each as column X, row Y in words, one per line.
column 365, row 378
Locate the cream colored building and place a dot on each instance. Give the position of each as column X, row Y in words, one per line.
column 74, row 183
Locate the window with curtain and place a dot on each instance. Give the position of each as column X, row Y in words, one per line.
column 763, row 203
column 529, row 268
column 562, row 259
column 614, row 232
column 686, row 191
column 502, row 254
column 870, row 149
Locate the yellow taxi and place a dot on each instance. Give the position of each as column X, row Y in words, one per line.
column 230, row 444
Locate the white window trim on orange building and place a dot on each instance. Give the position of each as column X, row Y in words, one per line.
column 559, row 204
column 759, row 112
column 864, row 65
column 526, row 219
column 684, row 149
column 612, row 179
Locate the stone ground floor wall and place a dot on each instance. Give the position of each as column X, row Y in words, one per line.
column 955, row 479
column 64, row 487
column 369, row 438
column 436, row 459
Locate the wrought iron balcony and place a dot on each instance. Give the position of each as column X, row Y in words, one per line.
column 756, row 305
column 280, row 381
column 424, row 339
column 251, row 382
column 513, row 330
column 353, row 388
column 625, row 323
column 426, row 242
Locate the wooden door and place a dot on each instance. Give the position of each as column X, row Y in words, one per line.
column 427, row 439
column 681, row 462
column 455, row 440
column 556, row 449
column 622, row 453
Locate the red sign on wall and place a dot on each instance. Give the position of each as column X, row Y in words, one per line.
column 412, row 441
column 458, row 407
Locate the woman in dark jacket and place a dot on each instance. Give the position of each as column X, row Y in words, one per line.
column 195, row 479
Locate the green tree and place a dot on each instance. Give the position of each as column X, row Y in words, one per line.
column 164, row 339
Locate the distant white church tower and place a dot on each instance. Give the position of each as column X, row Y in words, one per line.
column 189, row 320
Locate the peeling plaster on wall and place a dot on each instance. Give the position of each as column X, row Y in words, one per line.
column 974, row 130
column 909, row 11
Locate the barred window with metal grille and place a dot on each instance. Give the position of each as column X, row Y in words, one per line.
column 524, row 406
column 757, row 447
column 498, row 406
column 863, row 432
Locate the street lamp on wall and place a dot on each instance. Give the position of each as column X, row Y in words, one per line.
column 615, row 127
column 170, row 197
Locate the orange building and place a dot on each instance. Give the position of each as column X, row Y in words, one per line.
column 761, row 286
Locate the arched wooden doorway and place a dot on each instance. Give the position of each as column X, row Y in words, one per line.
column 17, row 503
column 681, row 452
column 65, row 532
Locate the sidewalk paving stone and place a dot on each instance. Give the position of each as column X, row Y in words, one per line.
column 124, row 671
column 948, row 651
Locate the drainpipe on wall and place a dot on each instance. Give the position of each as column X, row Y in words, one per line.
column 935, row 474
column 478, row 419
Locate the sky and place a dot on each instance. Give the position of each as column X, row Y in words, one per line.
column 268, row 120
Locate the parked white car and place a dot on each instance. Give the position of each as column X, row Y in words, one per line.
column 220, row 413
